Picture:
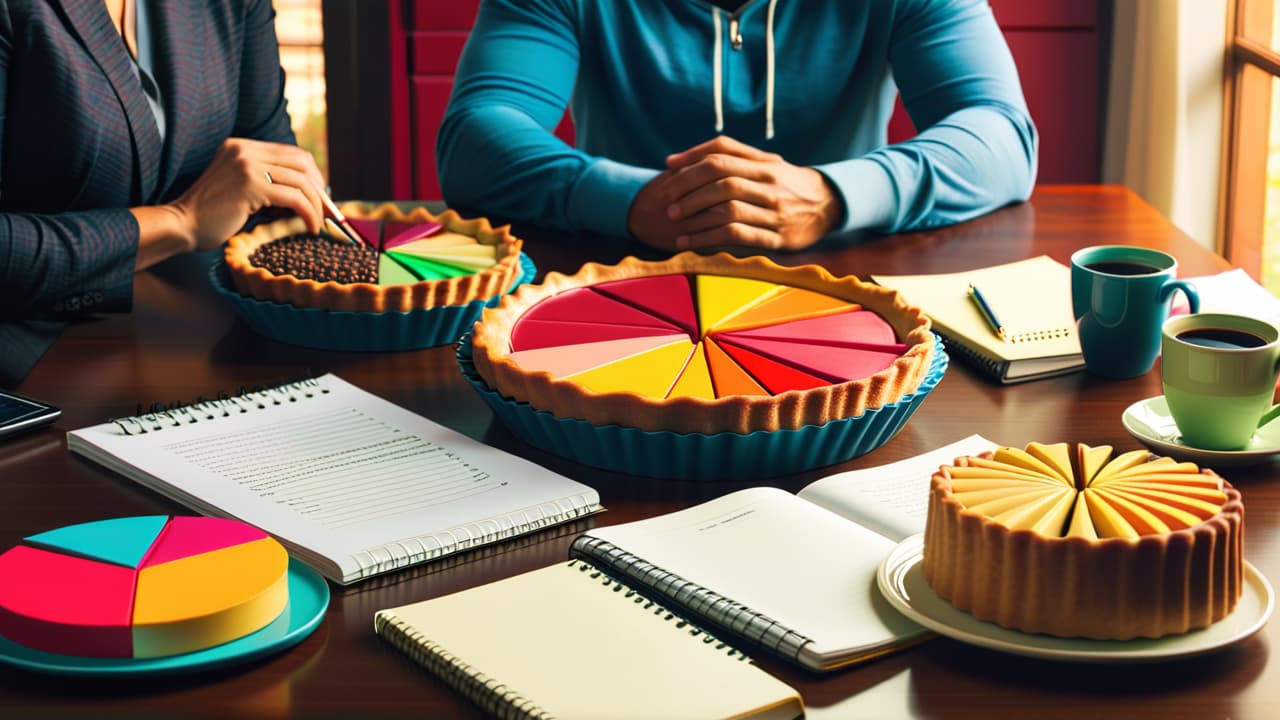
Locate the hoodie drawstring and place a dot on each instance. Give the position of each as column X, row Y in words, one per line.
column 717, row 61
column 768, row 73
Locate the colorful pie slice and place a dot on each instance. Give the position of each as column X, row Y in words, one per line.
column 790, row 304
column 834, row 364
column 532, row 334
column 777, row 377
column 695, row 377
column 587, row 305
column 727, row 376
column 568, row 360
column 847, row 328
column 665, row 296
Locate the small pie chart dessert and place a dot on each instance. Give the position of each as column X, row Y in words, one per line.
column 1072, row 541
column 703, row 344
column 141, row 587
column 404, row 262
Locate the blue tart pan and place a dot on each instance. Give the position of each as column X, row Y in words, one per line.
column 358, row 331
column 696, row 456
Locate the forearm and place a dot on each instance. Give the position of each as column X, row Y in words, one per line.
column 968, row 164
column 976, row 150
column 67, row 264
column 162, row 233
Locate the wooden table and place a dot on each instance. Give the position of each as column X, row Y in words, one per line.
column 181, row 341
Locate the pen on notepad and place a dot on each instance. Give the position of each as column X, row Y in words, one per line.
column 984, row 308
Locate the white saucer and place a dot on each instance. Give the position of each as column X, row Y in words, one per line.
column 1150, row 422
column 901, row 581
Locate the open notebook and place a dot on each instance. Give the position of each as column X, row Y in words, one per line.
column 352, row 484
column 793, row 576
column 1032, row 299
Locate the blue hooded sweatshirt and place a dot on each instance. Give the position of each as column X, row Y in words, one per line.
column 813, row 81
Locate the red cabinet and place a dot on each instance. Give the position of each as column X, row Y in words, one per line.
column 436, row 31
column 1055, row 43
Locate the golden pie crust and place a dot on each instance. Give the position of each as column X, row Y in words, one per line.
column 262, row 284
column 1110, row 588
column 735, row 413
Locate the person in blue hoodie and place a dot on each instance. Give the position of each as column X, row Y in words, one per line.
column 759, row 123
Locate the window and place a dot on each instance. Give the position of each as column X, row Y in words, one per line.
column 1251, row 191
column 301, row 36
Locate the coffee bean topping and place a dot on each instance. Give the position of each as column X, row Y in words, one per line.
column 319, row 258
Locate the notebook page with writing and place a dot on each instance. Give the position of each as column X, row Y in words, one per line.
column 567, row 641
column 1031, row 298
column 808, row 572
column 892, row 499
column 351, row 483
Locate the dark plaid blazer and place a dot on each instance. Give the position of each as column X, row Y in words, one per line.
column 79, row 145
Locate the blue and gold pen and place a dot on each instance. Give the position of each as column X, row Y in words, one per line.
column 985, row 309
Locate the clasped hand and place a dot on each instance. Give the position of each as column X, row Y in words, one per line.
column 725, row 192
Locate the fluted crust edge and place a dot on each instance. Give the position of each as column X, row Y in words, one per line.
column 1106, row 589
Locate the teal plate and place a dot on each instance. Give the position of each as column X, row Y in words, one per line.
column 308, row 600
column 358, row 331
column 695, row 456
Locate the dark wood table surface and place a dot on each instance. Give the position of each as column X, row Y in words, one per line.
column 181, row 341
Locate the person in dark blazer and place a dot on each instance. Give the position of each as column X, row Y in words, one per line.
column 131, row 131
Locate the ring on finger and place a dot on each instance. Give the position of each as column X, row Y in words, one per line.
column 267, row 174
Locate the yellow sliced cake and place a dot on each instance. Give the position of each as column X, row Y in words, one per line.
column 1075, row 542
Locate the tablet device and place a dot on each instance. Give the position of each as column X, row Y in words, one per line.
column 18, row 414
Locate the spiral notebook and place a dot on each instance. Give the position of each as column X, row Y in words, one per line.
column 1031, row 298
column 352, row 484
column 568, row 641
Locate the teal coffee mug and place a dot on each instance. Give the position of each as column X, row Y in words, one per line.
column 1219, row 374
column 1121, row 296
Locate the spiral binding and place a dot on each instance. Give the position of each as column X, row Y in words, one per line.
column 492, row 695
column 450, row 541
column 224, row 405
column 1038, row 335
column 703, row 603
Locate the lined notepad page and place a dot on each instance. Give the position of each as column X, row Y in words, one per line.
column 351, row 482
column 1032, row 299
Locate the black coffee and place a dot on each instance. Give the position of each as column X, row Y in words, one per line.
column 1120, row 267
column 1221, row 338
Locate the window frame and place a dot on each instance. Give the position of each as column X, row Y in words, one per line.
column 1247, row 124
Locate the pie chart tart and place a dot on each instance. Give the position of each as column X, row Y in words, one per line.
column 141, row 587
column 1076, row 541
column 703, row 344
column 409, row 261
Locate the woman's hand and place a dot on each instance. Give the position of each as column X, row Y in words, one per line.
column 245, row 177
column 724, row 192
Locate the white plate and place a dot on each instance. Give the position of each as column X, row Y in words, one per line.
column 901, row 581
column 1151, row 424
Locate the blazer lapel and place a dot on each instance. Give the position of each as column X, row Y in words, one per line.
column 90, row 21
column 180, row 49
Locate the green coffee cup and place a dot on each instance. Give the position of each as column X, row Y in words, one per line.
column 1219, row 375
